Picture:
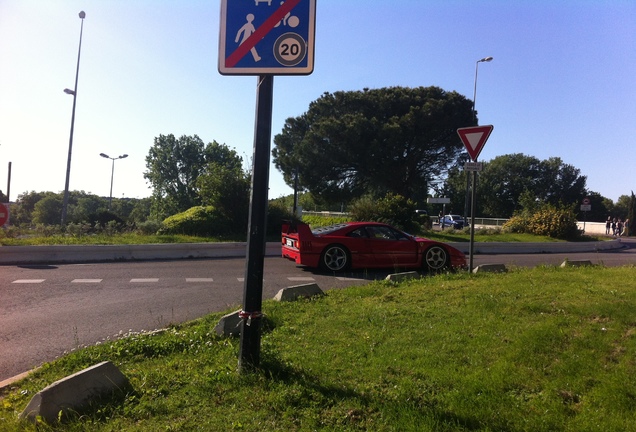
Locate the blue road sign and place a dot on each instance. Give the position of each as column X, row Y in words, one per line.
column 267, row 37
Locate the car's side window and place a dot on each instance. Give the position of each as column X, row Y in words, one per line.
column 358, row 233
column 380, row 233
column 399, row 236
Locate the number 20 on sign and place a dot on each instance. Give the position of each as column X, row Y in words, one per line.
column 260, row 37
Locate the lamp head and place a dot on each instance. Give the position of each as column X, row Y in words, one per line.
column 486, row 59
column 104, row 155
column 69, row 91
column 82, row 14
column 124, row 156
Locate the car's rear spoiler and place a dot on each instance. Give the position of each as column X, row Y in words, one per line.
column 296, row 227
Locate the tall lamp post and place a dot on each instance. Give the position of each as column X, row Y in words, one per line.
column 485, row 59
column 73, row 92
column 473, row 203
column 112, row 174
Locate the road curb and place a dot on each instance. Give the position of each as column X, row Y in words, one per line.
column 62, row 254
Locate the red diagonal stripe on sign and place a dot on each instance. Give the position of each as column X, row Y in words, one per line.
column 260, row 33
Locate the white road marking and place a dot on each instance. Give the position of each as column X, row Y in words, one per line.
column 199, row 280
column 143, row 280
column 86, row 280
column 28, row 281
column 349, row 279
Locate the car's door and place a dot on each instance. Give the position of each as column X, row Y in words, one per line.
column 391, row 247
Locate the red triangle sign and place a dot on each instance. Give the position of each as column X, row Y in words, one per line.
column 474, row 138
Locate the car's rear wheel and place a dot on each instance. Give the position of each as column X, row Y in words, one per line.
column 335, row 258
column 435, row 259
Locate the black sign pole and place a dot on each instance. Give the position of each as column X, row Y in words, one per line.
column 473, row 204
column 251, row 315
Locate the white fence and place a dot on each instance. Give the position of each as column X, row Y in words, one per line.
column 587, row 227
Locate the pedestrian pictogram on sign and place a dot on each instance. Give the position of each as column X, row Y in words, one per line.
column 474, row 138
column 267, row 37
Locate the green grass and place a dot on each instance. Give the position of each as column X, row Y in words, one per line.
column 544, row 349
column 109, row 239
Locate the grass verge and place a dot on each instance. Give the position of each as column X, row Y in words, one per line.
column 544, row 349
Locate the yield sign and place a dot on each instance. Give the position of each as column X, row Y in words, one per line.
column 474, row 138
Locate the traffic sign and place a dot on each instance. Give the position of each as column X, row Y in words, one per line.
column 473, row 166
column 260, row 37
column 586, row 201
column 438, row 200
column 4, row 214
column 474, row 138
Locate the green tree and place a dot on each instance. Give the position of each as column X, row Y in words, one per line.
column 141, row 211
column 22, row 211
column 509, row 182
column 48, row 210
column 173, row 167
column 353, row 143
column 226, row 187
column 621, row 208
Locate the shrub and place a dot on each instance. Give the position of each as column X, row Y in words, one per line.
column 547, row 220
column 556, row 222
column 148, row 227
column 197, row 221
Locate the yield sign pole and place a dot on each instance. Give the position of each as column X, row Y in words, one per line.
column 474, row 139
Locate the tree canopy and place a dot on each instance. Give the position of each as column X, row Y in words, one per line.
column 352, row 143
column 508, row 180
column 174, row 167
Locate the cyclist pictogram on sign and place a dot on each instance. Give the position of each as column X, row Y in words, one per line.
column 267, row 37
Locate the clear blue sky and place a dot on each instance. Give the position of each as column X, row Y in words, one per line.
column 562, row 82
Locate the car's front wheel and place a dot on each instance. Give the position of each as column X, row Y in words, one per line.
column 335, row 258
column 435, row 259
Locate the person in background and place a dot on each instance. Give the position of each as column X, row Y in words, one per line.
column 608, row 225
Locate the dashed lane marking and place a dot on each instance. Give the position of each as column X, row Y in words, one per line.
column 28, row 281
column 196, row 280
column 86, row 280
column 144, row 280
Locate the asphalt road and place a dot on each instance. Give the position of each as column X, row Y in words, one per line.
column 46, row 310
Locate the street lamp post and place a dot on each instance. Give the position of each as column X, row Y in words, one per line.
column 485, row 59
column 112, row 174
column 473, row 203
column 73, row 92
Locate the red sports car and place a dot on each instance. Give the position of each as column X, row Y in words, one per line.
column 365, row 245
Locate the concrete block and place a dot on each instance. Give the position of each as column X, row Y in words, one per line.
column 399, row 277
column 299, row 291
column 229, row 325
column 490, row 268
column 75, row 392
column 581, row 263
